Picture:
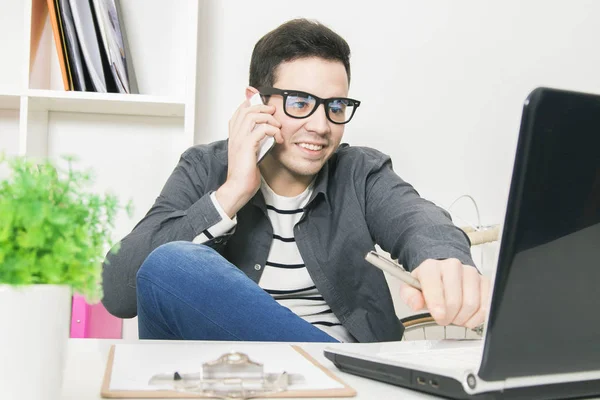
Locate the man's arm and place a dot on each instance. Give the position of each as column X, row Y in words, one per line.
column 407, row 226
column 424, row 239
column 185, row 210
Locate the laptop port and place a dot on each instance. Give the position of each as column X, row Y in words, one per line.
column 420, row 380
column 434, row 383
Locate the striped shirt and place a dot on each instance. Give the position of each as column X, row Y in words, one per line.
column 285, row 276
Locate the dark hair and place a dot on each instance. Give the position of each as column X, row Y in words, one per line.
column 295, row 39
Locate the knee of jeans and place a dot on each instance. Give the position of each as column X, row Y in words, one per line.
column 176, row 260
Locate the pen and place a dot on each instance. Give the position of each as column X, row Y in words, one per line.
column 399, row 272
column 393, row 268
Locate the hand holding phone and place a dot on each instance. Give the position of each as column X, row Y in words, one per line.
column 267, row 142
column 250, row 129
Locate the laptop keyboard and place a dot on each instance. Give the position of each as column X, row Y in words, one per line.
column 461, row 357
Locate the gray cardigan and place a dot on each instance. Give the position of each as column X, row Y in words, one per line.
column 358, row 201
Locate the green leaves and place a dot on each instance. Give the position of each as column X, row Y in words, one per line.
column 52, row 230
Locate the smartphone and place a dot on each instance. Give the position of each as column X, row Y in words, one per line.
column 268, row 142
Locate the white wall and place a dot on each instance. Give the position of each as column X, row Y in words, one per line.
column 441, row 82
column 9, row 127
column 11, row 45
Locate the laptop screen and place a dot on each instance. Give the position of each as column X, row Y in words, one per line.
column 545, row 314
column 562, row 170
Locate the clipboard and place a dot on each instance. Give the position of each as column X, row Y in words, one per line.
column 344, row 391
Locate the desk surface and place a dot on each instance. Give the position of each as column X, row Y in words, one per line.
column 86, row 362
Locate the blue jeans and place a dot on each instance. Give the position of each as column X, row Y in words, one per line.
column 189, row 291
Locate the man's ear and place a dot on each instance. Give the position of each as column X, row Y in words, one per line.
column 250, row 91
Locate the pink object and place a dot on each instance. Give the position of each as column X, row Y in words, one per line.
column 93, row 321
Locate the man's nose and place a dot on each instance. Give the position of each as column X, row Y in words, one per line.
column 318, row 121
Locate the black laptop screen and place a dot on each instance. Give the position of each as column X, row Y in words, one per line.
column 545, row 314
column 561, row 193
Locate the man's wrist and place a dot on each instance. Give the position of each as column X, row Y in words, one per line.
column 230, row 199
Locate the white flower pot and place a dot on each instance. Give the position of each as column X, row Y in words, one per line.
column 34, row 331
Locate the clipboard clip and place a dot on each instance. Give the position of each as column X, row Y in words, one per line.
column 231, row 376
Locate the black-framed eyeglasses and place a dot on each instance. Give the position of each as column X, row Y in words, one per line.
column 298, row 104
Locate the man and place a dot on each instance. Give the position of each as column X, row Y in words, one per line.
column 232, row 250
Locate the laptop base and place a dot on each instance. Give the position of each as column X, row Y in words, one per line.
column 451, row 388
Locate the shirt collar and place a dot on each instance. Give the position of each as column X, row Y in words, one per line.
column 321, row 182
column 320, row 188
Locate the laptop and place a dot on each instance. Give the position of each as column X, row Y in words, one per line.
column 542, row 339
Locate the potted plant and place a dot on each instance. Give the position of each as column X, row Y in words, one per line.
column 54, row 235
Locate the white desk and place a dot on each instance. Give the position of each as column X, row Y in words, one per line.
column 86, row 362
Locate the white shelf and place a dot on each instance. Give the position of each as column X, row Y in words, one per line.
column 104, row 103
column 9, row 101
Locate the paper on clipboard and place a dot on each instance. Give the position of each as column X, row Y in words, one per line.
column 134, row 364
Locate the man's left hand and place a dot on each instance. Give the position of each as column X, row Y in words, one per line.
column 452, row 292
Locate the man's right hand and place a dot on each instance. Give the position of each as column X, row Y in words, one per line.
column 243, row 175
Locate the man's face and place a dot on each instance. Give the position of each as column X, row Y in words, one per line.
column 308, row 142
